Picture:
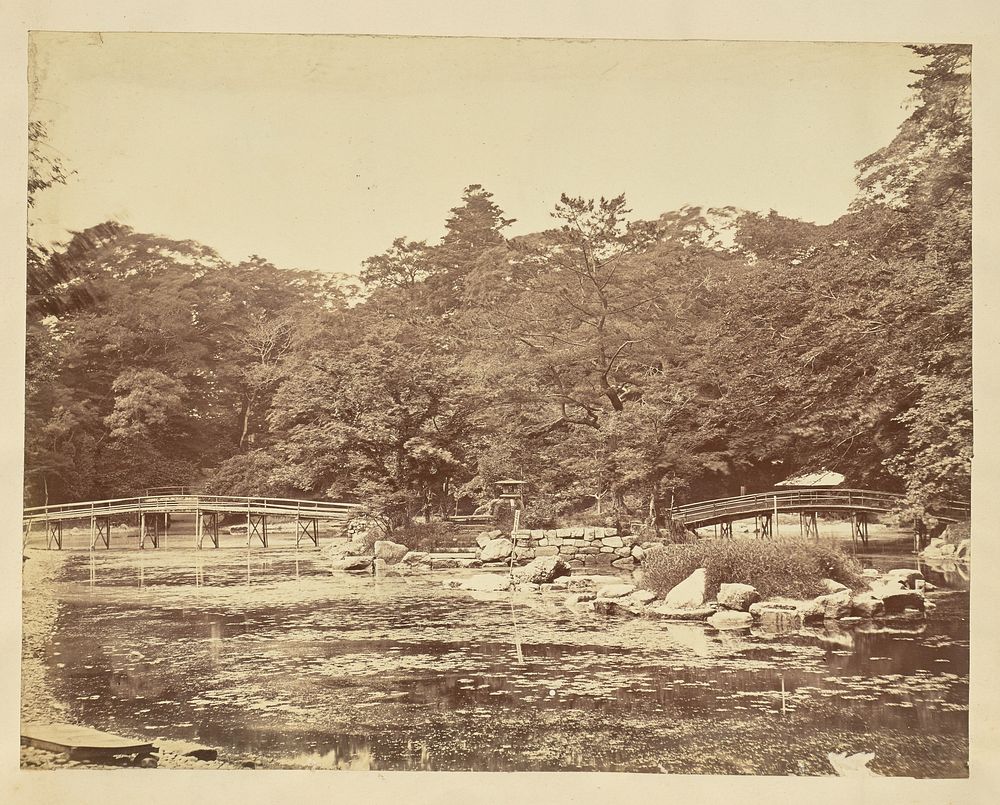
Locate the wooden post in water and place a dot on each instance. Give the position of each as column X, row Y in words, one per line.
column 513, row 547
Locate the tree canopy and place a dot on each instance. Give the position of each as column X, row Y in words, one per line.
column 613, row 362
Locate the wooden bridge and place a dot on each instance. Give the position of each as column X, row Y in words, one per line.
column 765, row 506
column 153, row 512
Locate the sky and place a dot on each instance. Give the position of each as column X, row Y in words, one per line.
column 317, row 151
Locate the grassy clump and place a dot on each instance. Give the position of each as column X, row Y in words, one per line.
column 787, row 567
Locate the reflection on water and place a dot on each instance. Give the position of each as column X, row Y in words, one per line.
column 269, row 654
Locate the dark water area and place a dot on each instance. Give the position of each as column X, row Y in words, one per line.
column 270, row 655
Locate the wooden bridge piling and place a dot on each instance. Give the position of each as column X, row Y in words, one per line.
column 306, row 527
column 100, row 529
column 53, row 533
column 859, row 528
column 257, row 527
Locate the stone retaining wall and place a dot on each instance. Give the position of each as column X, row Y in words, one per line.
column 580, row 547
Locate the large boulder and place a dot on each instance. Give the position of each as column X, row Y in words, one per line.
column 354, row 563
column 496, row 550
column 757, row 610
column 543, row 570
column 689, row 594
column 812, row 610
column 831, row 586
column 728, row 619
column 904, row 577
column 896, row 601
column 487, row 583
column 737, row 596
column 866, row 605
column 484, row 538
column 642, row 597
column 364, row 533
column 390, row 552
column 835, row 605
column 416, row 558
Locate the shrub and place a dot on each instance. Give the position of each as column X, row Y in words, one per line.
column 423, row 536
column 787, row 567
column 541, row 513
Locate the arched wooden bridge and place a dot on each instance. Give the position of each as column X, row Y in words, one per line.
column 764, row 506
column 152, row 512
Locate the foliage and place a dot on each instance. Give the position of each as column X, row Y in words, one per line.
column 387, row 421
column 619, row 365
column 781, row 567
column 402, row 265
column 173, row 360
column 423, row 536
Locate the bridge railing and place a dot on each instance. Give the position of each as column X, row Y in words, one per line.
column 798, row 500
column 191, row 503
column 708, row 511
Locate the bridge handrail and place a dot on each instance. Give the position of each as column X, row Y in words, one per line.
column 153, row 502
column 790, row 493
column 837, row 497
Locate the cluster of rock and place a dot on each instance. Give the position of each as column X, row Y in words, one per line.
column 940, row 548
column 536, row 576
column 386, row 557
column 579, row 547
column 737, row 606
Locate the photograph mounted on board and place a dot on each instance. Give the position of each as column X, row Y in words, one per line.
column 453, row 404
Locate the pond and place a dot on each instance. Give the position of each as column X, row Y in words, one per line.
column 269, row 655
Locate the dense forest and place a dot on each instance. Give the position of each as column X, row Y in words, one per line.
column 616, row 364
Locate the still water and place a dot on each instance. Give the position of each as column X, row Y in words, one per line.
column 269, row 655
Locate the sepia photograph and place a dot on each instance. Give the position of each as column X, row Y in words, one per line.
column 471, row 404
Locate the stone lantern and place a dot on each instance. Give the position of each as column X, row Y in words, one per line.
column 512, row 490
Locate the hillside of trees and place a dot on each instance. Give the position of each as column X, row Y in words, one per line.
column 616, row 364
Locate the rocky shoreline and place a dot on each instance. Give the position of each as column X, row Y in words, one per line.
column 897, row 594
